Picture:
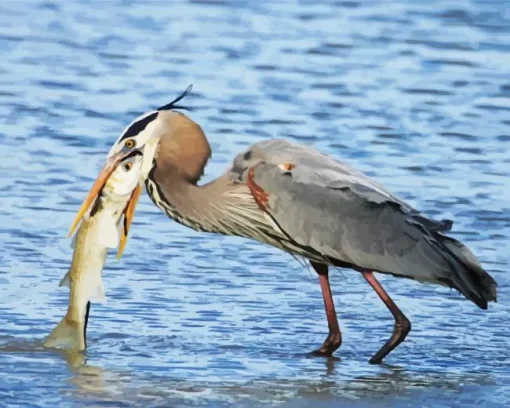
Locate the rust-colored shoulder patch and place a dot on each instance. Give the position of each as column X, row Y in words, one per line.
column 258, row 193
column 287, row 166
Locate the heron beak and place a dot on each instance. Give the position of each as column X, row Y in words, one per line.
column 102, row 178
column 128, row 217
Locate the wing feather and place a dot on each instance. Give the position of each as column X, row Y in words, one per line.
column 342, row 214
column 345, row 224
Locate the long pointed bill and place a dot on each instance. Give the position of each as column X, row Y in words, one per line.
column 101, row 180
column 128, row 217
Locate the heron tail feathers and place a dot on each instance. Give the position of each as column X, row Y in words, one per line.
column 470, row 278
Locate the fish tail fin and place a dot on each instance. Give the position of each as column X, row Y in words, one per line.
column 68, row 335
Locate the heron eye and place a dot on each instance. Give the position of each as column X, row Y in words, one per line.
column 130, row 143
column 128, row 166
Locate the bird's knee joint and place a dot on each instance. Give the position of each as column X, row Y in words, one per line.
column 403, row 325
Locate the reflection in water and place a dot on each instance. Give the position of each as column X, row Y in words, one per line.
column 93, row 381
column 392, row 384
column 387, row 383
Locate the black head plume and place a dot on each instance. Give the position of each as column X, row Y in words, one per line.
column 172, row 105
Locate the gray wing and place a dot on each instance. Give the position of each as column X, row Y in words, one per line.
column 320, row 169
column 339, row 212
column 315, row 168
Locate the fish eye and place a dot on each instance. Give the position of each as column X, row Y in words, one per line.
column 130, row 143
column 128, row 166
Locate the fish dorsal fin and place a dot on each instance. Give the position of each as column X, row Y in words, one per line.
column 65, row 281
column 109, row 234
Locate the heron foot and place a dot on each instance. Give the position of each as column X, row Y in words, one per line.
column 330, row 345
column 400, row 332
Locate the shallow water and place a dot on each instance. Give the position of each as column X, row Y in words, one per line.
column 417, row 94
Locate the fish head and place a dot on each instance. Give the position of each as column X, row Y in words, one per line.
column 126, row 177
column 142, row 136
column 125, row 182
column 120, row 178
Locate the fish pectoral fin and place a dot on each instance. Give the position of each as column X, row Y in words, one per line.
column 95, row 292
column 66, row 280
column 98, row 293
column 109, row 236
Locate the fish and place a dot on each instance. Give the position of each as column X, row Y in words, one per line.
column 105, row 221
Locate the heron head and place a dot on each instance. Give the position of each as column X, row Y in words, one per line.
column 143, row 135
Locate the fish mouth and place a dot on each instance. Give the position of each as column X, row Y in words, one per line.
column 110, row 166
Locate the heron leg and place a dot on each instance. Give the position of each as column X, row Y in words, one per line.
column 402, row 323
column 334, row 339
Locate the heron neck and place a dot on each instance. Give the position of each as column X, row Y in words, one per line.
column 220, row 206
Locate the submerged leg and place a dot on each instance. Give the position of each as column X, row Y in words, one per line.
column 334, row 339
column 402, row 323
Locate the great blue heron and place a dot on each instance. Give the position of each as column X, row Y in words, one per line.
column 303, row 202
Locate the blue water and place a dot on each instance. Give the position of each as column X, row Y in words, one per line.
column 417, row 94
